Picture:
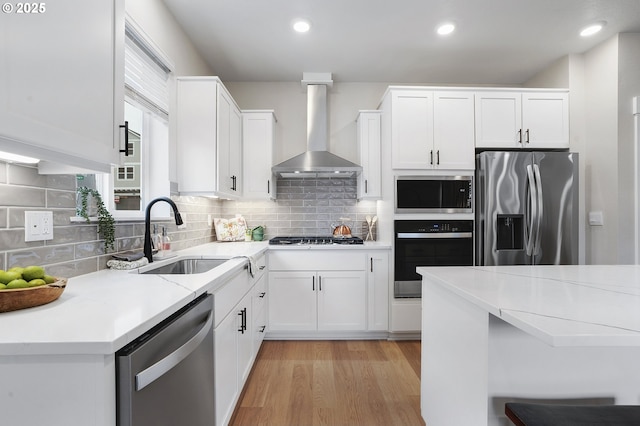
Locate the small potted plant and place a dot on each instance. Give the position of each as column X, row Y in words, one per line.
column 106, row 223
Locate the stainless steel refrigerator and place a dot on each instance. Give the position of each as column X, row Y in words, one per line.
column 526, row 208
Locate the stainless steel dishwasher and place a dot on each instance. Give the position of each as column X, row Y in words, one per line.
column 165, row 377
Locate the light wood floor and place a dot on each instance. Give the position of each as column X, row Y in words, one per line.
column 305, row 383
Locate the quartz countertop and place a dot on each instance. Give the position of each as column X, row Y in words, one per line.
column 576, row 305
column 101, row 312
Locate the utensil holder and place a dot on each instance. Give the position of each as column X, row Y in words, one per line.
column 369, row 231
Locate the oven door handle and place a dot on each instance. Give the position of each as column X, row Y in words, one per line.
column 432, row 235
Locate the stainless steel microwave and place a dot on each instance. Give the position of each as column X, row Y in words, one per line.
column 434, row 194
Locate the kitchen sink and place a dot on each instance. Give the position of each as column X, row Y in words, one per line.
column 187, row 266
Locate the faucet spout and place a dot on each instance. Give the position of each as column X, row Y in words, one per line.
column 148, row 252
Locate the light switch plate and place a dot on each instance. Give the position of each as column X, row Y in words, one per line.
column 596, row 218
column 38, row 226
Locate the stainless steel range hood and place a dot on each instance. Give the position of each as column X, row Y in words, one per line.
column 317, row 161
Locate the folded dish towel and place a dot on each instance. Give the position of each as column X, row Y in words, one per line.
column 128, row 256
column 252, row 266
column 125, row 264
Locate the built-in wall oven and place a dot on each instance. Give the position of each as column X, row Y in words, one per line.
column 428, row 243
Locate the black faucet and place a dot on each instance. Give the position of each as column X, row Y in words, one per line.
column 148, row 252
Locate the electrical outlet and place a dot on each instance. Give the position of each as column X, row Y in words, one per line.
column 38, row 226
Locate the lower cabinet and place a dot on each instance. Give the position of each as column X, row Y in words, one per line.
column 237, row 313
column 322, row 291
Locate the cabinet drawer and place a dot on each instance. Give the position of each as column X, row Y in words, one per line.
column 228, row 296
column 261, row 266
column 313, row 260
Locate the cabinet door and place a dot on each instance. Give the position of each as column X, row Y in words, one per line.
column 369, row 134
column 235, row 151
column 226, row 367
column 498, row 119
column 245, row 339
column 342, row 300
column 62, row 82
column 292, row 301
column 453, row 130
column 412, row 129
column 196, row 129
column 378, row 280
column 257, row 140
column 223, row 142
column 259, row 312
column 545, row 120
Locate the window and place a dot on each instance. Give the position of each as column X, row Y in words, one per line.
column 143, row 173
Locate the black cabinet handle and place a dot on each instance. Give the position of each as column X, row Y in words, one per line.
column 262, row 295
column 371, row 259
column 431, row 155
column 263, row 328
column 313, row 283
column 268, row 186
column 527, row 138
column 438, row 157
column 233, row 183
column 520, row 136
column 366, row 186
column 125, row 126
column 320, row 283
column 243, row 320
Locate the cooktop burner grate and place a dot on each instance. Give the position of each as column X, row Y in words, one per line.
column 314, row 240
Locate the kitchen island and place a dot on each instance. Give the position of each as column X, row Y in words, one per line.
column 496, row 334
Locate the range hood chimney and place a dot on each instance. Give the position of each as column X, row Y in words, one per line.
column 317, row 161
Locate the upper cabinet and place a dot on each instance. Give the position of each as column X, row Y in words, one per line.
column 209, row 138
column 258, row 138
column 61, row 85
column 522, row 119
column 370, row 180
column 431, row 129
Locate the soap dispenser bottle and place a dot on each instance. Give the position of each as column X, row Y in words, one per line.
column 166, row 241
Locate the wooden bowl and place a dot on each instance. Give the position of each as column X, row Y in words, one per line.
column 21, row 298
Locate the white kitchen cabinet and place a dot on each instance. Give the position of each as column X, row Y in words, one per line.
column 317, row 300
column 62, row 82
column 369, row 153
column 378, row 280
column 209, row 138
column 453, row 130
column 258, row 138
column 235, row 345
column 432, row 129
column 522, row 119
column 328, row 293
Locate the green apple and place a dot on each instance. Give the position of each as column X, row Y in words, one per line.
column 7, row 276
column 20, row 283
column 36, row 282
column 33, row 272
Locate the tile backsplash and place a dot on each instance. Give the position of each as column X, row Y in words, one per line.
column 304, row 207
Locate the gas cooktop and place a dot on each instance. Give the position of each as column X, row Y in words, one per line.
column 314, row 240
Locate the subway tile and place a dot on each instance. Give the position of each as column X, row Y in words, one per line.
column 65, row 182
column 3, row 172
column 12, row 195
column 56, row 198
column 25, row 176
column 41, row 255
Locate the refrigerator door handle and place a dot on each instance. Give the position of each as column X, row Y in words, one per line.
column 530, row 211
column 536, row 171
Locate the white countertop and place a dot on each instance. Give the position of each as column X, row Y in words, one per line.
column 577, row 305
column 101, row 312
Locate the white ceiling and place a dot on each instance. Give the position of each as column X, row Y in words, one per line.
column 394, row 41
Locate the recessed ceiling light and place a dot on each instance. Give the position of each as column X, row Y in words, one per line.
column 15, row 158
column 446, row 28
column 592, row 29
column 301, row 25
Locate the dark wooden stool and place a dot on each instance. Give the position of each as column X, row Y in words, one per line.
column 527, row 414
